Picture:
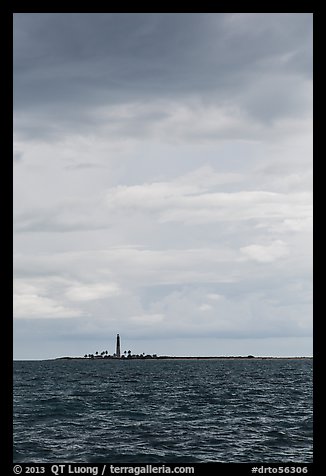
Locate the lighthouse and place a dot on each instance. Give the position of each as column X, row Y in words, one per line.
column 118, row 347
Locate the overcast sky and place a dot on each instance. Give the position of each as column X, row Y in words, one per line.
column 163, row 183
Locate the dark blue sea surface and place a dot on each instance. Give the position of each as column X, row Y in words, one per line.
column 163, row 411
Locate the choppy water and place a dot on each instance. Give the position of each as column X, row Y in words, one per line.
column 163, row 411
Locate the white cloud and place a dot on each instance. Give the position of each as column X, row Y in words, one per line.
column 205, row 307
column 31, row 300
column 91, row 292
column 214, row 296
column 33, row 306
column 266, row 253
column 45, row 296
column 190, row 200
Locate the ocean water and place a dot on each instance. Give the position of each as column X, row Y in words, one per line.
column 170, row 411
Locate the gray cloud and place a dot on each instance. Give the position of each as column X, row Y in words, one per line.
column 69, row 65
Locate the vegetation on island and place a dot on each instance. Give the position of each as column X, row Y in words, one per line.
column 128, row 355
column 125, row 355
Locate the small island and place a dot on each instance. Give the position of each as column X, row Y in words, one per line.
column 128, row 355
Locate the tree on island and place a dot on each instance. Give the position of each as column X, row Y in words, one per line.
column 105, row 355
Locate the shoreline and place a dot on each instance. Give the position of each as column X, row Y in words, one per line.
column 189, row 358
